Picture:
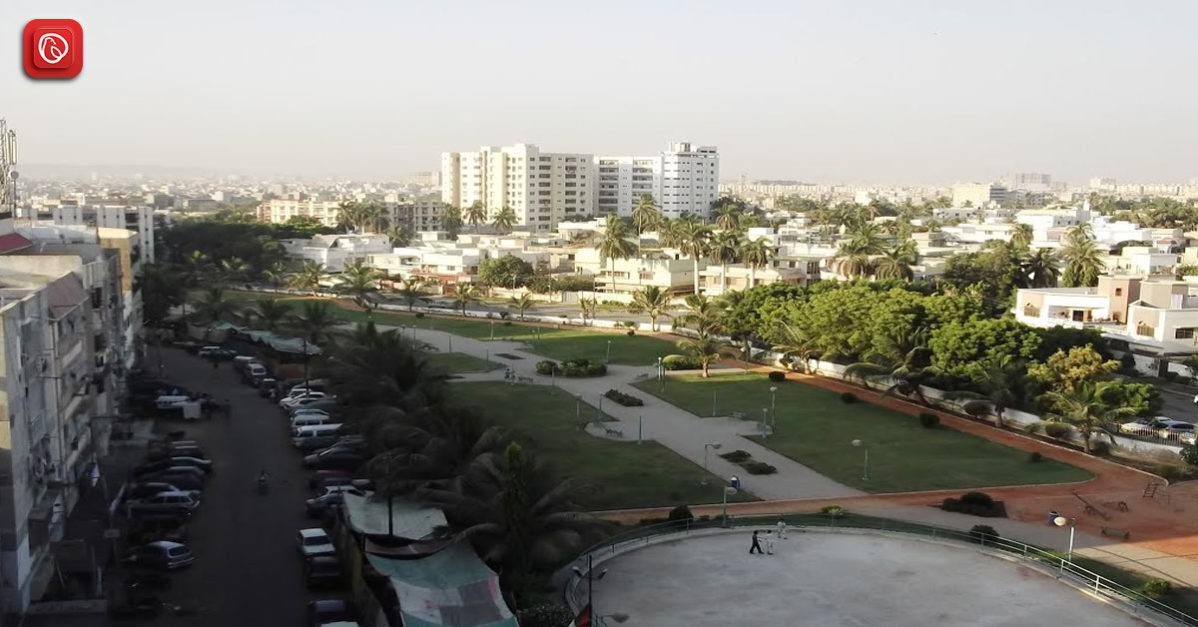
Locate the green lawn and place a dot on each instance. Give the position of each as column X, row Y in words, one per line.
column 627, row 474
column 559, row 344
column 459, row 363
column 816, row 428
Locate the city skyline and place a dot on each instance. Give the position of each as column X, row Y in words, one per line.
column 921, row 93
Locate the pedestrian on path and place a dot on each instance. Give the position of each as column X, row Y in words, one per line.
column 1052, row 517
column 769, row 542
column 756, row 545
column 781, row 529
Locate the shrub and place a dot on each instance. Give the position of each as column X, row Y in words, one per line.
column 950, row 505
column 983, row 533
column 975, row 504
column 1189, row 454
column 621, row 398
column 681, row 512
column 630, row 333
column 1157, row 588
column 758, row 468
column 1170, row 471
column 977, row 409
column 777, row 377
column 1101, row 448
column 419, row 314
column 736, row 456
column 929, row 421
column 833, row 511
column 976, row 498
column 680, row 362
column 548, row 367
column 848, row 397
column 583, row 367
column 1035, row 457
column 1057, row 430
column 507, row 323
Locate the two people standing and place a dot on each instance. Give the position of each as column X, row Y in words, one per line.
column 769, row 540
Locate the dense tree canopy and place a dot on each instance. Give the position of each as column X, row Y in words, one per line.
column 506, row 271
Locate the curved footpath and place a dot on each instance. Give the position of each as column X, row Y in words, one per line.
column 1164, row 528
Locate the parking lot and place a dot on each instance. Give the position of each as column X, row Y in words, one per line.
column 247, row 569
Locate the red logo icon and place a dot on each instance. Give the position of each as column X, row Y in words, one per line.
column 53, row 48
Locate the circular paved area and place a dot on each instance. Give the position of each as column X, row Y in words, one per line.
column 835, row 579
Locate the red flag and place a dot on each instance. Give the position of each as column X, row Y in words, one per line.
column 584, row 617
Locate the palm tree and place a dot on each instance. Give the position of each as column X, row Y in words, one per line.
column 214, row 305
column 451, row 219
column 587, row 307
column 234, row 270
column 196, row 267
column 855, row 257
column 756, row 253
column 162, row 289
column 475, row 214
column 645, row 215
column 705, row 349
column 350, row 214
column 522, row 303
column 797, row 343
column 314, row 321
column 896, row 262
column 383, row 368
column 706, row 315
column 374, row 218
column 275, row 275
column 1083, row 259
column 360, row 281
column 428, row 452
column 466, row 294
column 725, row 249
column 308, row 277
column 412, row 290
column 652, row 301
column 998, row 381
column 1042, row 268
column 615, row 245
column 904, row 358
column 694, row 240
column 727, row 218
column 504, row 220
column 269, row 314
column 1085, row 407
column 1022, row 235
column 399, row 235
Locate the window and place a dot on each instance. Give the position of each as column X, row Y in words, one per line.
column 1118, row 291
column 1184, row 333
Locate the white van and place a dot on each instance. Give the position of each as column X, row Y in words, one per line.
column 170, row 401
column 309, row 420
column 304, row 437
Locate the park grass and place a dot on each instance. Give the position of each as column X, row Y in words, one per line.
column 626, row 474
column 548, row 341
column 460, row 363
column 815, row 428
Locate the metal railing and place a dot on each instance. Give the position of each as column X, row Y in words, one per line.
column 1137, row 601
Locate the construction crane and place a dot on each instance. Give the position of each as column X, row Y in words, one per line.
column 8, row 171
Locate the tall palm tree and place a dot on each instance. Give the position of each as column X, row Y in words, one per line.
column 214, row 305
column 234, row 270
column 350, row 214
column 694, row 240
column 1021, row 236
column 314, row 320
column 1042, row 268
column 466, row 294
column 1086, row 408
column 269, row 314
column 757, row 253
column 1083, row 259
column 725, row 249
column 587, row 307
column 275, row 275
column 645, row 215
column 374, row 218
column 705, row 315
column 475, row 214
column 652, row 301
column 399, row 235
column 727, row 218
column 998, row 381
column 383, row 368
column 795, row 342
column 705, row 349
column 360, row 281
column 308, row 277
column 521, row 303
column 451, row 219
column 504, row 220
column 196, row 266
column 615, row 245
column 855, row 257
column 412, row 290
column 896, row 263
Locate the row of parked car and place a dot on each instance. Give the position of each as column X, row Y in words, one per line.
column 165, row 493
column 1162, row 427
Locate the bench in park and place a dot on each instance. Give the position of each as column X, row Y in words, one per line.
column 1116, row 533
column 613, row 433
column 739, row 415
column 525, row 380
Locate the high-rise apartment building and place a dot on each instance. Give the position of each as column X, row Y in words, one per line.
column 683, row 179
column 543, row 188
column 327, row 211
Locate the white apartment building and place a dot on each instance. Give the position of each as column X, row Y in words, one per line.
column 674, row 273
column 334, row 252
column 543, row 188
column 683, row 179
column 1141, row 261
column 978, row 194
column 280, row 210
column 140, row 220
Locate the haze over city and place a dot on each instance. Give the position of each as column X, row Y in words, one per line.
column 930, row 92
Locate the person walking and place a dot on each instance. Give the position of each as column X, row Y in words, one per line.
column 769, row 543
column 756, row 545
column 781, row 529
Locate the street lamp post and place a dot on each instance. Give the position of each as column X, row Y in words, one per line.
column 706, row 449
column 607, row 360
column 661, row 377
column 764, row 426
column 578, row 408
column 865, row 465
column 1061, row 521
column 731, row 488
column 492, row 329
column 714, row 403
column 773, row 408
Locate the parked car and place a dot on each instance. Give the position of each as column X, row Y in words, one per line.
column 323, row 571
column 336, row 460
column 314, row 541
column 1183, row 431
column 329, row 611
column 150, row 488
column 265, row 385
column 162, row 554
column 301, row 400
column 307, row 411
column 185, row 482
column 166, row 462
column 165, row 502
column 209, row 351
column 176, row 469
column 1149, row 426
column 341, row 447
column 339, row 480
column 323, row 504
column 320, row 476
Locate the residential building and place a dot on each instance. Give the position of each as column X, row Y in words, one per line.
column 1141, row 261
column 336, row 251
column 683, row 179
column 127, row 246
column 418, row 213
column 1105, row 304
column 542, row 188
column 714, row 280
column 669, row 271
column 139, row 219
column 1028, row 181
column 978, row 194
column 279, row 210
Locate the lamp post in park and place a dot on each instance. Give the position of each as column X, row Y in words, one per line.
column 731, row 488
column 865, row 464
column 661, row 376
column 607, row 359
column 706, row 449
column 773, row 408
column 1061, row 521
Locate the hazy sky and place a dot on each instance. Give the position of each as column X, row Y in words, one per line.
column 882, row 90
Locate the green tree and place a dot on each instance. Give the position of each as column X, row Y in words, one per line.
column 854, row 258
column 504, row 219
column 1022, row 235
column 705, row 349
column 957, row 346
column 796, row 343
column 615, row 244
column 522, row 303
column 466, row 295
column 275, row 275
column 399, row 235
column 1042, row 269
column 451, row 219
column 652, row 301
column 360, row 282
column 1085, row 409
column 269, row 314
column 508, row 271
column 1083, row 258
column 587, row 307
column 693, row 238
column 725, row 248
column 896, row 263
column 705, row 315
column 412, row 289
column 314, row 320
column 757, row 253
column 998, row 381
column 727, row 218
column 475, row 214
column 214, row 305
column 162, row 290
column 308, row 277
column 1066, row 370
column 645, row 215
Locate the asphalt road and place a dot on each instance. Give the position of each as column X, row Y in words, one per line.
column 248, row 571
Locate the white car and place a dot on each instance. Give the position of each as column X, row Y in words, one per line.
column 1146, row 426
column 295, row 401
column 208, row 351
column 300, row 403
column 308, row 411
column 313, row 542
